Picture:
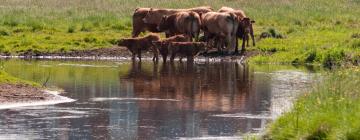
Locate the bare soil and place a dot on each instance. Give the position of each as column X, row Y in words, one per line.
column 21, row 93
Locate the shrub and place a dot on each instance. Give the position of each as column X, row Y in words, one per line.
column 333, row 58
column 71, row 29
column 271, row 32
column 4, row 33
column 310, row 56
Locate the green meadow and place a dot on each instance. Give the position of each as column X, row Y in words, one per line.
column 299, row 32
column 323, row 32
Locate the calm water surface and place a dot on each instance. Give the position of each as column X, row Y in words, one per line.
column 126, row 100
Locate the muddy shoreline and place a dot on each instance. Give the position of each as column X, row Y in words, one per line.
column 18, row 95
column 121, row 53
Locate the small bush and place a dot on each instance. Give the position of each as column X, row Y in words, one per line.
column 71, row 29
column 271, row 32
column 310, row 56
column 4, row 33
column 320, row 134
column 333, row 58
column 47, row 38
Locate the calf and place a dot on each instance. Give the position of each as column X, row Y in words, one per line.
column 163, row 45
column 187, row 23
column 186, row 49
column 136, row 45
column 221, row 26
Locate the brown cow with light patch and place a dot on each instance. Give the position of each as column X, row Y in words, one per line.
column 136, row 45
column 186, row 49
column 222, row 26
column 163, row 45
column 138, row 24
column 187, row 23
column 245, row 26
column 154, row 16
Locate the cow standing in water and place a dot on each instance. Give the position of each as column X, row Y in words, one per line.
column 136, row 45
column 163, row 45
column 221, row 26
column 148, row 19
column 245, row 27
column 187, row 23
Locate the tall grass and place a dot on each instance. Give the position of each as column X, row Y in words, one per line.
column 330, row 111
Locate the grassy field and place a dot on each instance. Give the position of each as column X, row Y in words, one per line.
column 309, row 31
column 324, row 32
column 330, row 111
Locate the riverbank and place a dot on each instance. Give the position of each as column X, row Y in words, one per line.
column 329, row 111
column 16, row 92
column 122, row 53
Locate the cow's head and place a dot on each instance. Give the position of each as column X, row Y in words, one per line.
column 245, row 26
column 152, row 17
column 124, row 42
column 163, row 24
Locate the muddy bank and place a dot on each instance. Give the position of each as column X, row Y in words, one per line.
column 16, row 95
column 116, row 52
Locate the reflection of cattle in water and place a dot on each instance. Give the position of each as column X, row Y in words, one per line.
column 203, row 88
column 184, row 81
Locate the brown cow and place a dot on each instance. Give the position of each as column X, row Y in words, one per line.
column 138, row 24
column 186, row 49
column 187, row 23
column 222, row 26
column 136, row 45
column 154, row 16
column 163, row 45
column 245, row 26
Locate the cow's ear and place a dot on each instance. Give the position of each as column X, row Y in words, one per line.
column 253, row 21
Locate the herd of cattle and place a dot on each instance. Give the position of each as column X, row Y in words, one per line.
column 182, row 28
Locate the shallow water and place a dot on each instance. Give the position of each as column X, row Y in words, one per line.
column 125, row 100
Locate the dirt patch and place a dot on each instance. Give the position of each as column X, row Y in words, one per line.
column 21, row 93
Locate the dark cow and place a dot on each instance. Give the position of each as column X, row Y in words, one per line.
column 186, row 49
column 221, row 26
column 163, row 45
column 136, row 45
column 187, row 23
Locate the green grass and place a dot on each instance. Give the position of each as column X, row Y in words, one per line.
column 308, row 31
column 5, row 78
column 330, row 111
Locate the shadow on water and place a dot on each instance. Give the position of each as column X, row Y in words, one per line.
column 133, row 100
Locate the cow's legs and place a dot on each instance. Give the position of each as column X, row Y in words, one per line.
column 139, row 55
